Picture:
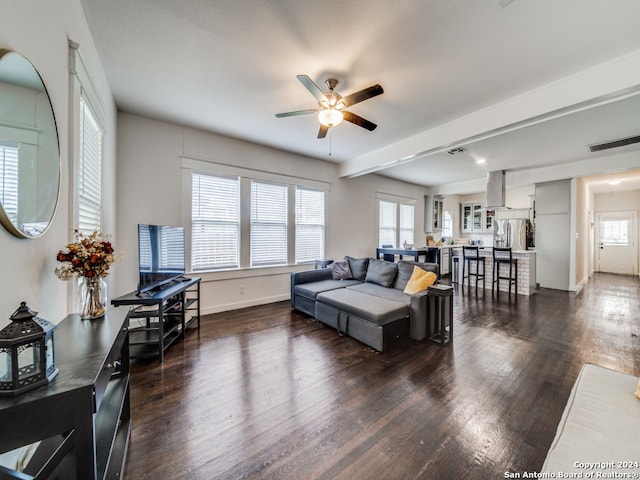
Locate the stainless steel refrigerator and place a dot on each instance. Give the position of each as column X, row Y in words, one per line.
column 510, row 233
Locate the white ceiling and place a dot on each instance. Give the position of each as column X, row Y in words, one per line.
column 524, row 84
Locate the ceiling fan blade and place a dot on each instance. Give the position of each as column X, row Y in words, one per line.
column 312, row 87
column 297, row 112
column 358, row 120
column 357, row 97
column 323, row 131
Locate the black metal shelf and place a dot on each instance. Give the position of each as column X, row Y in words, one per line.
column 166, row 313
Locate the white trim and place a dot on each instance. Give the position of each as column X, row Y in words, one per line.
column 217, row 168
column 79, row 70
column 396, row 198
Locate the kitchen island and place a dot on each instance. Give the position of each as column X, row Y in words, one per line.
column 526, row 260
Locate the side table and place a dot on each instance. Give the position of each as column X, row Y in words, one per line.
column 441, row 313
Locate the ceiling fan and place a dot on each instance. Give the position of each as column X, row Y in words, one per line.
column 331, row 105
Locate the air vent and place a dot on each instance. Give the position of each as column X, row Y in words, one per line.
column 614, row 144
column 453, row 151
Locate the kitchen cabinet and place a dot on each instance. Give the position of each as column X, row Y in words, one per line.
column 472, row 217
column 476, row 219
column 433, row 211
column 489, row 215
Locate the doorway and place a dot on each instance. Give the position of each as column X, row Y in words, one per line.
column 616, row 243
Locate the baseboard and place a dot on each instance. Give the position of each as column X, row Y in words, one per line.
column 577, row 288
column 238, row 305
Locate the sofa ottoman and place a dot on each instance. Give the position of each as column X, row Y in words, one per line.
column 373, row 320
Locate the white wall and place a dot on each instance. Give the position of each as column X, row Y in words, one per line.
column 39, row 30
column 149, row 191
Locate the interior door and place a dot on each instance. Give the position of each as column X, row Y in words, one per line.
column 616, row 245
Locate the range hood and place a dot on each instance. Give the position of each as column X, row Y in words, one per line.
column 496, row 190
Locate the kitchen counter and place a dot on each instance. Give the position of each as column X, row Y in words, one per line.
column 526, row 260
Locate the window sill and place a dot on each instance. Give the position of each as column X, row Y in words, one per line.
column 217, row 275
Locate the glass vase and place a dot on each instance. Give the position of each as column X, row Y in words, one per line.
column 92, row 297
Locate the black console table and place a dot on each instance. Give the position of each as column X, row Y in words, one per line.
column 164, row 316
column 81, row 417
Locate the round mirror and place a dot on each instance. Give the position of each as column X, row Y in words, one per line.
column 29, row 151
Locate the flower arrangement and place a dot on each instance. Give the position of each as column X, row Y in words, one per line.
column 89, row 256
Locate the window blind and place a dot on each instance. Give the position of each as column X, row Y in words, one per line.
column 89, row 172
column 215, row 222
column 406, row 224
column 9, row 180
column 310, row 226
column 387, row 223
column 268, row 224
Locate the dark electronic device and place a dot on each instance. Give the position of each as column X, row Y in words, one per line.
column 161, row 255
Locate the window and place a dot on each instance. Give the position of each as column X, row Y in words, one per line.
column 89, row 172
column 215, row 222
column 395, row 222
column 268, row 224
column 447, row 224
column 309, row 225
column 387, row 223
column 241, row 222
column 406, row 224
column 9, row 180
column 615, row 232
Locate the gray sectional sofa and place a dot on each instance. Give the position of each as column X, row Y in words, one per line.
column 370, row 307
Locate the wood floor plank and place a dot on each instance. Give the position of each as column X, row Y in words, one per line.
column 267, row 393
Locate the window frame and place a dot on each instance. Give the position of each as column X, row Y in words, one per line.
column 399, row 203
column 10, row 170
column 447, row 232
column 191, row 165
column 84, row 89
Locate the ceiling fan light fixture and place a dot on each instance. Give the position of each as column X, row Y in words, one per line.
column 330, row 117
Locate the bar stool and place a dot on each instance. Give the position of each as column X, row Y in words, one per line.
column 504, row 256
column 472, row 255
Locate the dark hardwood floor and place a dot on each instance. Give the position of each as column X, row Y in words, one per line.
column 267, row 393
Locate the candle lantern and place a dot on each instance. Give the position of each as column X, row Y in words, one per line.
column 27, row 357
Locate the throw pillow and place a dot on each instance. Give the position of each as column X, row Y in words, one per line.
column 637, row 394
column 358, row 267
column 341, row 270
column 381, row 272
column 405, row 269
column 420, row 280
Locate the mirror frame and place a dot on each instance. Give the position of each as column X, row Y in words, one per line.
column 4, row 219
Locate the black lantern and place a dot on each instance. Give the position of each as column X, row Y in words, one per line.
column 26, row 352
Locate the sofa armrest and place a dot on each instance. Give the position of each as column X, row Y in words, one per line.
column 418, row 311
column 311, row 276
column 308, row 276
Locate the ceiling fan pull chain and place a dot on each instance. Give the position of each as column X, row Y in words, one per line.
column 330, row 142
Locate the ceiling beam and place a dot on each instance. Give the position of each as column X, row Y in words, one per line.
column 604, row 83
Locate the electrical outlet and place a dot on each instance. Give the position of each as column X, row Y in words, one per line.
column 241, row 290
